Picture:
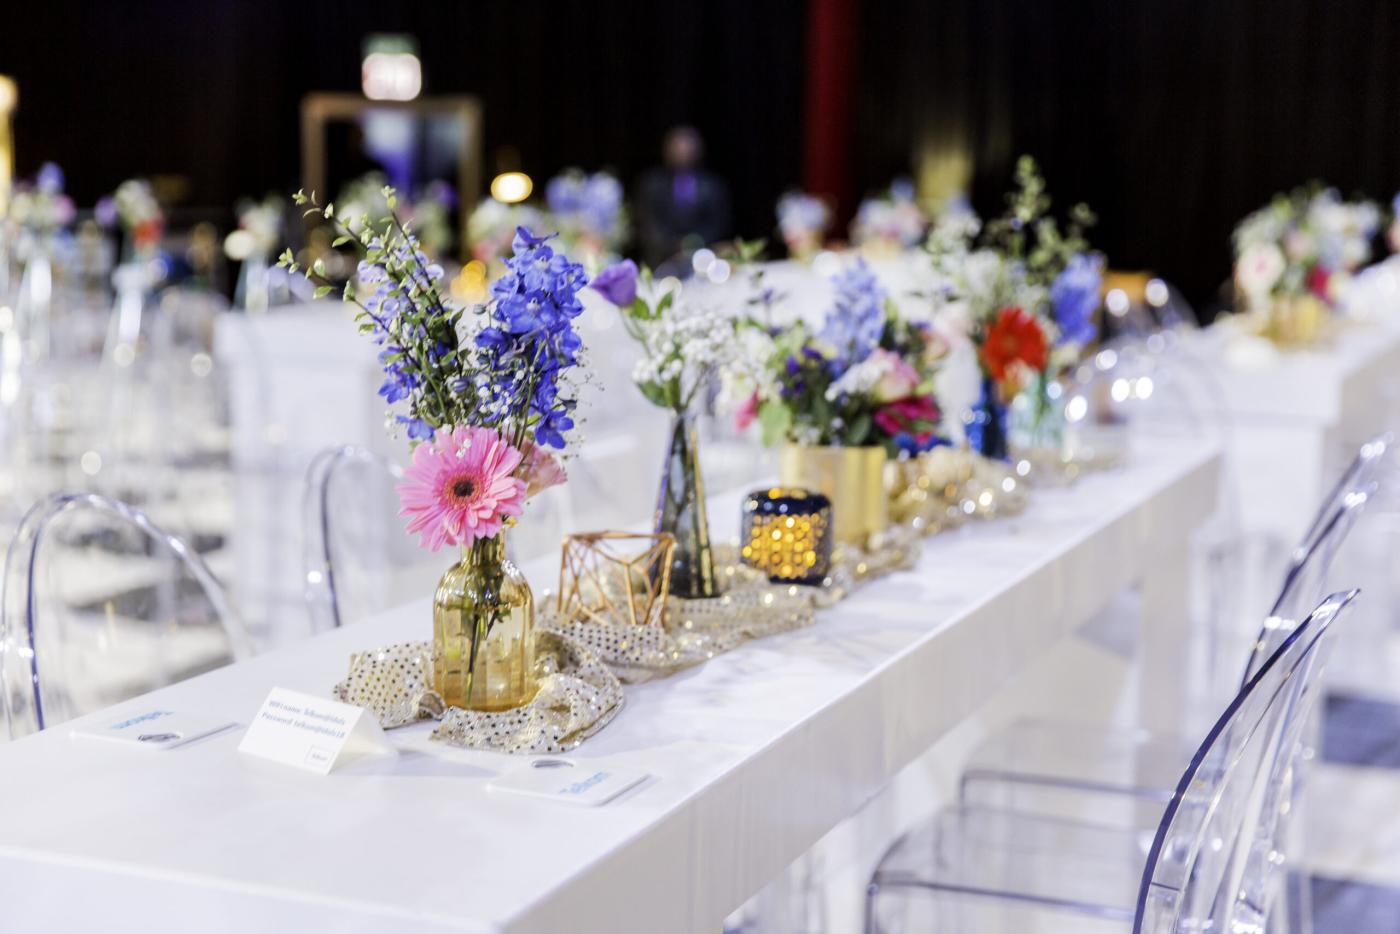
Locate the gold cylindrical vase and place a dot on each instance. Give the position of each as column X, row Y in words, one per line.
column 852, row 478
column 1296, row 321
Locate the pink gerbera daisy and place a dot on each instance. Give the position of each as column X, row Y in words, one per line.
column 461, row 487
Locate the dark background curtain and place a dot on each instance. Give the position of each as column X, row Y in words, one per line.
column 210, row 89
column 1172, row 118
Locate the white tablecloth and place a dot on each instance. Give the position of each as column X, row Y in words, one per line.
column 753, row 756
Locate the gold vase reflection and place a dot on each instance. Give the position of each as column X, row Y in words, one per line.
column 483, row 631
column 852, row 478
column 1296, row 322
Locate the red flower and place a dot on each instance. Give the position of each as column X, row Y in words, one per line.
column 916, row 415
column 1014, row 337
column 1319, row 278
column 148, row 231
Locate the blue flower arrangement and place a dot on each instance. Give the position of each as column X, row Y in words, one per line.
column 504, row 371
column 1074, row 298
column 856, row 320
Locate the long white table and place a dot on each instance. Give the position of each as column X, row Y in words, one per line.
column 1290, row 415
column 753, row 756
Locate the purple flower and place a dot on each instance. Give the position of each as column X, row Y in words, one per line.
column 50, row 179
column 105, row 211
column 618, row 283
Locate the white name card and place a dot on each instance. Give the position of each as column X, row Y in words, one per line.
column 312, row 733
column 566, row 782
column 155, row 729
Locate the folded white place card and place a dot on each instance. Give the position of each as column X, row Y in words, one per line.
column 154, row 729
column 566, row 782
column 313, row 733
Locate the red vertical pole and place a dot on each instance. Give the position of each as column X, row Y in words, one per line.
column 830, row 100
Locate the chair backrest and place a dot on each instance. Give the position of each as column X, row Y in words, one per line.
column 1305, row 580
column 1363, row 474
column 99, row 604
column 1213, row 864
column 358, row 558
column 1130, row 388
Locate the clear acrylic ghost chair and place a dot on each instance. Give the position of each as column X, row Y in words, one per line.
column 100, row 605
column 1130, row 390
column 1127, row 396
column 359, row 560
column 1213, row 863
column 1156, row 309
column 1035, row 764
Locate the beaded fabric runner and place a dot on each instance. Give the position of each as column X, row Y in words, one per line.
column 578, row 696
column 749, row 608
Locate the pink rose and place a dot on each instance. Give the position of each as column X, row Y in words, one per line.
column 744, row 415
column 899, row 379
column 541, row 469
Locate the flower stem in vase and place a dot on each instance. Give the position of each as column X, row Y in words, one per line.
column 483, row 631
column 680, row 510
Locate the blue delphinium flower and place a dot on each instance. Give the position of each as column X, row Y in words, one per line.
column 531, row 340
column 399, row 383
column 594, row 200
column 602, row 201
column 1074, row 296
column 563, row 194
column 855, row 322
column 418, row 430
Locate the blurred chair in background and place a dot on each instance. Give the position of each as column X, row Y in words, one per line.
column 358, row 559
column 100, row 605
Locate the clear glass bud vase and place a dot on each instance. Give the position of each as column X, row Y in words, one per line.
column 34, row 303
column 253, row 290
column 1037, row 418
column 680, row 510
column 484, row 631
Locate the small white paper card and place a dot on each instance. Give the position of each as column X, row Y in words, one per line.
column 154, row 729
column 566, row 782
column 313, row 733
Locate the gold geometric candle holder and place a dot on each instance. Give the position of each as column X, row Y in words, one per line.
column 615, row 577
column 787, row 534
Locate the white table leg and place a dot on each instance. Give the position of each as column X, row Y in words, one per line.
column 1165, row 641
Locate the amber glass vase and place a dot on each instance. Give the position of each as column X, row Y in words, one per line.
column 484, row 631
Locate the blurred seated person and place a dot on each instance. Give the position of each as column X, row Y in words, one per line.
column 680, row 206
